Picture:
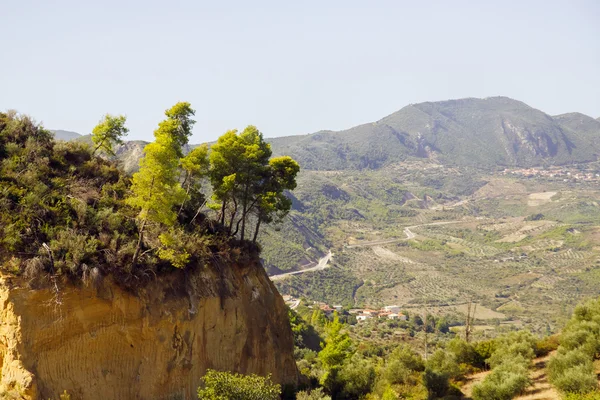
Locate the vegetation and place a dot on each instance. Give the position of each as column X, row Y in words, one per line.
column 229, row 386
column 68, row 213
column 108, row 132
column 571, row 370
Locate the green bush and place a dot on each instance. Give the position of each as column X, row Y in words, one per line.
column 508, row 347
column 356, row 378
column 579, row 379
column 572, row 369
column 589, row 396
column 436, row 382
column 315, row 394
column 504, row 382
column 232, row 386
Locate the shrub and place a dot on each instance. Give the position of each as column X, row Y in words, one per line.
column 315, row 394
column 588, row 396
column 503, row 383
column 565, row 360
column 579, row 379
column 546, row 345
column 436, row 382
column 356, row 378
column 232, row 386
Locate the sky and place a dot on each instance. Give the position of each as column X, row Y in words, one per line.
column 290, row 67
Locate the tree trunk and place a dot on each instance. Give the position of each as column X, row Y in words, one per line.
column 244, row 212
column 187, row 194
column 233, row 213
column 98, row 147
column 222, row 216
column 256, row 230
column 139, row 243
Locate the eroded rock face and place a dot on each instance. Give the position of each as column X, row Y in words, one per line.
column 105, row 343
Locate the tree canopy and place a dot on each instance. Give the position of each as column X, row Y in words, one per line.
column 108, row 132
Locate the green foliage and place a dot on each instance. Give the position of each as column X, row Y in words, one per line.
column 315, row 394
column 571, row 370
column 61, row 209
column 245, row 182
column 511, row 346
column 401, row 366
column 510, row 363
column 337, row 345
column 232, row 386
column 180, row 114
column 504, row 383
column 356, row 378
column 156, row 189
column 587, row 396
column 108, row 132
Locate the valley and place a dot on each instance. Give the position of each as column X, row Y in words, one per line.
column 523, row 247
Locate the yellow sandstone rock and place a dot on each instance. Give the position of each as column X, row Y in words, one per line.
column 107, row 343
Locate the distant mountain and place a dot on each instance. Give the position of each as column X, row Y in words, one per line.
column 496, row 131
column 490, row 132
column 65, row 135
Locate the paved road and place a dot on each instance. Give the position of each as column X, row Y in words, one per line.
column 407, row 231
column 323, row 262
column 295, row 304
column 321, row 265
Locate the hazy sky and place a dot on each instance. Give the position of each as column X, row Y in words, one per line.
column 290, row 67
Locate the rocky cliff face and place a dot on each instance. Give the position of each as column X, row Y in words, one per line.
column 105, row 343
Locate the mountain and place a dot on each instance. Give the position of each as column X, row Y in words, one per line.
column 490, row 132
column 65, row 135
column 496, row 131
column 580, row 125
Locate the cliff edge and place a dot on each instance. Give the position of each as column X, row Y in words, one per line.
column 103, row 342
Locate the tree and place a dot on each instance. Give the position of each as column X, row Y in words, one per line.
column 281, row 175
column 155, row 188
column 246, row 183
column 109, row 132
column 181, row 113
column 231, row 386
column 195, row 166
column 334, row 353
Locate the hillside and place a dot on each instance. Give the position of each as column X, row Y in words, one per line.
column 495, row 131
column 65, row 135
column 490, row 132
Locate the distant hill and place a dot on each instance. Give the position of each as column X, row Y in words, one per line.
column 496, row 131
column 65, row 135
column 490, row 132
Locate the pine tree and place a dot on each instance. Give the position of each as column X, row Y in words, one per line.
column 156, row 188
column 109, row 132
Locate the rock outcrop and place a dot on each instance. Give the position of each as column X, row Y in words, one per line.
column 103, row 342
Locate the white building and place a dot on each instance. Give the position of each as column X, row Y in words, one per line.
column 401, row 317
column 363, row 317
column 392, row 309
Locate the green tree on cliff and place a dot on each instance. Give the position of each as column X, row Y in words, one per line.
column 156, row 189
column 108, row 132
column 246, row 183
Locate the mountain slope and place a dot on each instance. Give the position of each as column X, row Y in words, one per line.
column 65, row 135
column 495, row 131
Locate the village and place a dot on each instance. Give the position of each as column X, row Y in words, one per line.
column 391, row 312
column 564, row 173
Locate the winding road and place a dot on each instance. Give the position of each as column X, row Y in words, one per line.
column 323, row 262
column 321, row 265
column 407, row 231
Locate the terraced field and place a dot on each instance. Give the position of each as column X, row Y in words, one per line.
column 527, row 249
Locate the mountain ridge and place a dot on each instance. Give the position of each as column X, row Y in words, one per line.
column 490, row 132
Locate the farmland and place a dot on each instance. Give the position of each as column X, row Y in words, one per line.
column 525, row 248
